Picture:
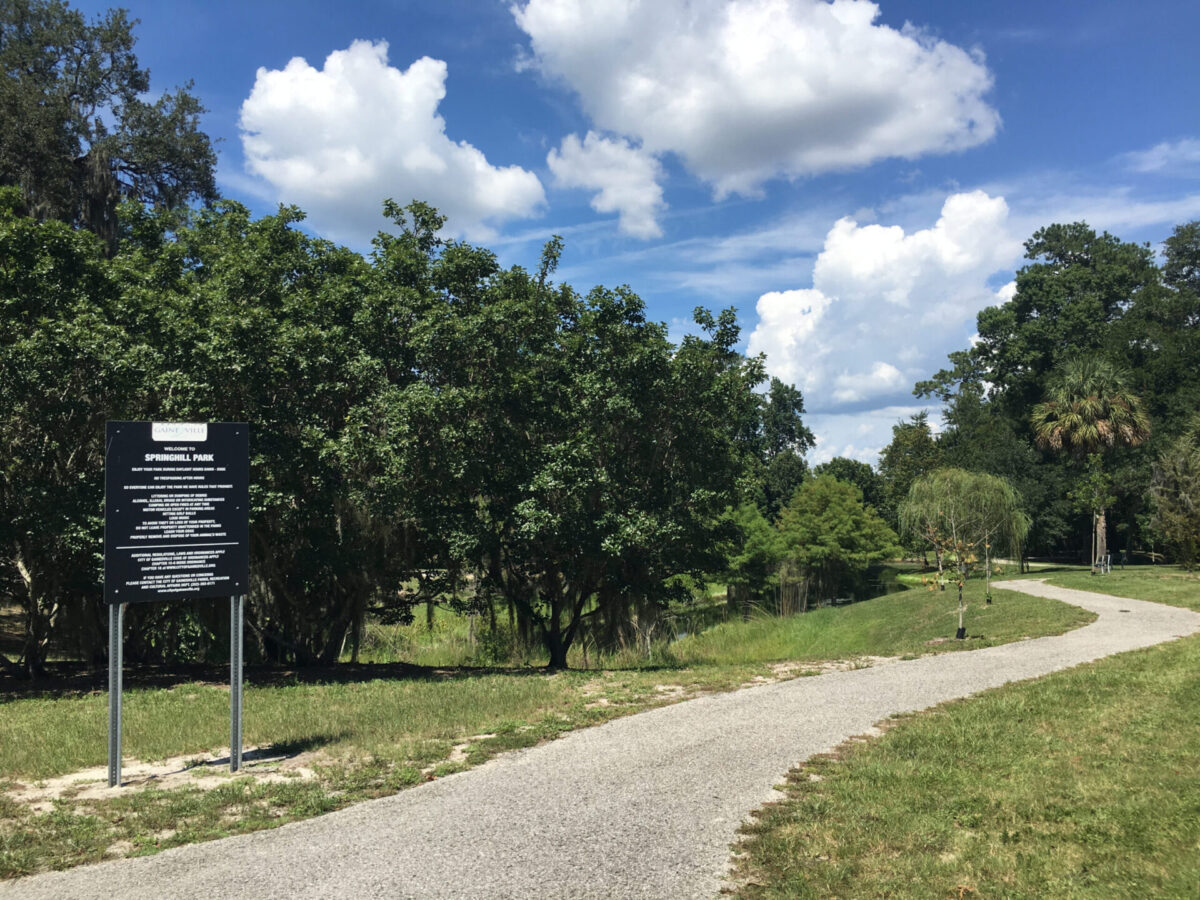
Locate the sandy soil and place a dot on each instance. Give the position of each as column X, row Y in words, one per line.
column 203, row 771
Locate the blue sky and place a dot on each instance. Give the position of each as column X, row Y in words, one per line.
column 855, row 178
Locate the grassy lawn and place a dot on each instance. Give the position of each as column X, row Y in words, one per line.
column 901, row 624
column 1080, row 784
column 347, row 742
column 1160, row 584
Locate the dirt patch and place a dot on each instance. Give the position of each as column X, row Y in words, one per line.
column 118, row 850
column 593, row 687
column 458, row 753
column 205, row 771
column 784, row 671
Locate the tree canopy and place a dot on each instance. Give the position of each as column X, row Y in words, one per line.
column 78, row 137
column 1089, row 411
column 425, row 423
column 830, row 536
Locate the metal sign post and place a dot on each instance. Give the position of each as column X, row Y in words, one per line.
column 116, row 629
column 176, row 527
column 236, row 621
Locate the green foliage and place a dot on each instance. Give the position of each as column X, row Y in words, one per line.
column 416, row 419
column 829, row 536
column 755, row 562
column 255, row 321
column 77, row 135
column 784, row 473
column 782, row 428
column 965, row 517
column 1090, row 297
column 860, row 475
column 1176, row 491
column 67, row 362
column 1077, row 284
column 1088, row 409
column 1093, row 490
column 912, row 453
column 598, row 458
column 782, row 439
column 978, row 438
column 1182, row 268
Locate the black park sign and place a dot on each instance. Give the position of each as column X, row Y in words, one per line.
column 176, row 511
column 176, row 527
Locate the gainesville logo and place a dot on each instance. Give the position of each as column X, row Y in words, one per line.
column 179, row 431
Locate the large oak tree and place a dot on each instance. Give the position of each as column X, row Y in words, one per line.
column 78, row 134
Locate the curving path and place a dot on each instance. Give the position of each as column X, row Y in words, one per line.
column 644, row 806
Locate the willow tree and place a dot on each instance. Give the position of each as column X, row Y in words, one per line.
column 963, row 515
column 1088, row 412
column 1001, row 522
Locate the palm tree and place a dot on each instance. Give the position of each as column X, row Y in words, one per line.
column 1089, row 411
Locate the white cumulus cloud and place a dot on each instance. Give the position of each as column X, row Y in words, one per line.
column 626, row 178
column 789, row 332
column 885, row 307
column 339, row 140
column 747, row 90
column 936, row 272
column 883, row 378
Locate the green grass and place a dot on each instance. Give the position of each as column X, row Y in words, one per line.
column 374, row 737
column 901, row 624
column 445, row 639
column 1081, row 784
column 1159, row 584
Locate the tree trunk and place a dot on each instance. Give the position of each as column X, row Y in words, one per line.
column 557, row 641
column 1101, row 539
column 1092, row 561
column 558, row 649
column 738, row 600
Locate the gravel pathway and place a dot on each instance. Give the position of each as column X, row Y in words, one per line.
column 644, row 806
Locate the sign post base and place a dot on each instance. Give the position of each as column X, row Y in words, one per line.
column 116, row 634
column 237, row 614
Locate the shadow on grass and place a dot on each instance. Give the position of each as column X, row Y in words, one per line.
column 74, row 679
column 273, row 753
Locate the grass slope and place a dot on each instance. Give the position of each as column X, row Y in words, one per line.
column 896, row 625
column 1081, row 784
